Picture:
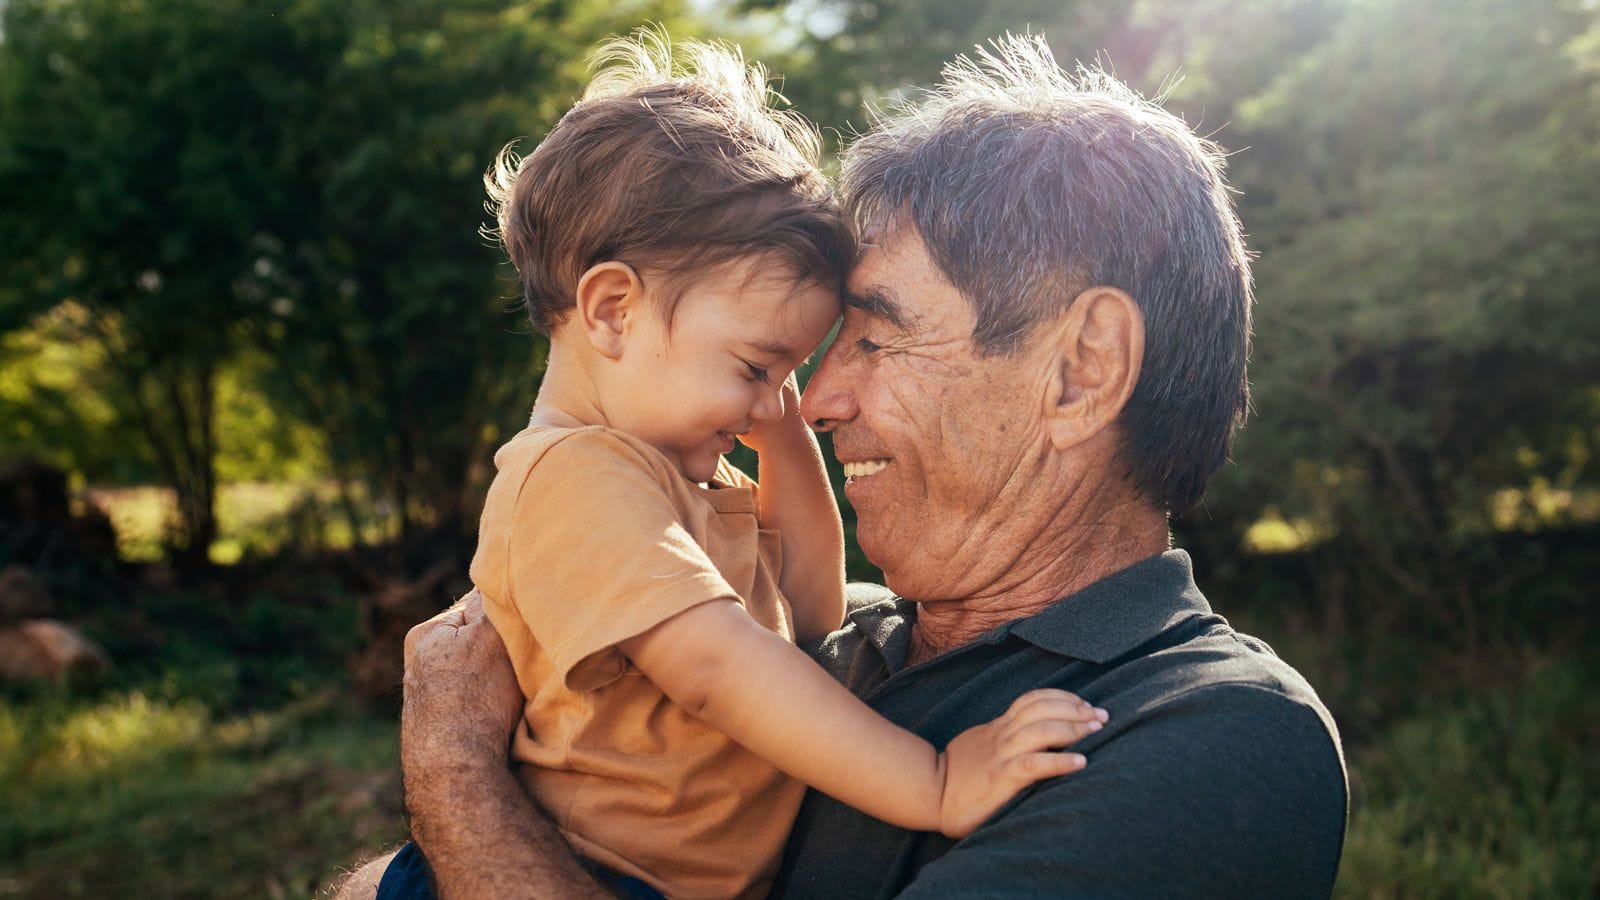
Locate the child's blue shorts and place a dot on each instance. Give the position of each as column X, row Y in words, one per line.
column 409, row 878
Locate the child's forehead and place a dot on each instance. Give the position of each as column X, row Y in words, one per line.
column 760, row 284
column 771, row 311
column 767, row 272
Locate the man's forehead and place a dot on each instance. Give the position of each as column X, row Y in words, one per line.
column 897, row 280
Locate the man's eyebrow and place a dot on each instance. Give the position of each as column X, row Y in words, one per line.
column 879, row 302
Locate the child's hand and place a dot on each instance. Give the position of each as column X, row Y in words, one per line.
column 766, row 435
column 986, row 765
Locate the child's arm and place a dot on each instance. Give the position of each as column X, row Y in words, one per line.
column 795, row 498
column 716, row 662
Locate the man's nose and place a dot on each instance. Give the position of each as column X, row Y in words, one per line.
column 829, row 399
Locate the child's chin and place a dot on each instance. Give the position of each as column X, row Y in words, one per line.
column 701, row 471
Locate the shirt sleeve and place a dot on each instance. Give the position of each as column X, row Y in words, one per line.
column 598, row 553
column 1232, row 791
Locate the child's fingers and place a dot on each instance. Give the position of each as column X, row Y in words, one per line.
column 1072, row 709
column 1031, row 767
column 1047, row 733
column 1024, row 704
column 1036, row 695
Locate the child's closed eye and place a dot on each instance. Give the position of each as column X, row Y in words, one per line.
column 757, row 373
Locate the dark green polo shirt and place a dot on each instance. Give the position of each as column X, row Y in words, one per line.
column 1219, row 775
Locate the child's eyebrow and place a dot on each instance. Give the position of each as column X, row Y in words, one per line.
column 772, row 348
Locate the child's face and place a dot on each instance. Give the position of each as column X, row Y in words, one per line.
column 717, row 370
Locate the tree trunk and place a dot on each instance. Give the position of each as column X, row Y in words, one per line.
column 192, row 392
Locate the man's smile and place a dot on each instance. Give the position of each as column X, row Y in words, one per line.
column 858, row 470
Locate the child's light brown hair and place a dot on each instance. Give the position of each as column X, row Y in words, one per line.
column 675, row 163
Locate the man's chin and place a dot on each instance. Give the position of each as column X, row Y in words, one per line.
column 873, row 547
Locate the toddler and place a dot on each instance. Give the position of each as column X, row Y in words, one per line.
column 681, row 250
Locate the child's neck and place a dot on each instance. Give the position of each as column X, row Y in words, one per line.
column 568, row 395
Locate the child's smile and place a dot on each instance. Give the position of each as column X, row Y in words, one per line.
column 716, row 371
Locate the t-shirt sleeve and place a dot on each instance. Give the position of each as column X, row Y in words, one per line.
column 597, row 554
column 1231, row 791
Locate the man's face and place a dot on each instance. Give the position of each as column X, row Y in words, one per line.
column 940, row 445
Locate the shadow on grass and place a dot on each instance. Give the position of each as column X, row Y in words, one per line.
column 132, row 796
column 1495, row 796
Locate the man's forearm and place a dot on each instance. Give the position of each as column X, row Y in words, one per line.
column 523, row 855
column 483, row 836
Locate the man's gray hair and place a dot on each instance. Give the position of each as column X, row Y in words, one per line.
column 1028, row 185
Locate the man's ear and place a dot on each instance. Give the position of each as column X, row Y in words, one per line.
column 1099, row 347
column 609, row 295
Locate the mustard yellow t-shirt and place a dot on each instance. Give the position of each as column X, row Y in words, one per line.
column 590, row 537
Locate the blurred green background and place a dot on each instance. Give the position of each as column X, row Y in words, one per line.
column 248, row 322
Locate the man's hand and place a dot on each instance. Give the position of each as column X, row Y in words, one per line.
column 986, row 765
column 461, row 695
column 481, row 833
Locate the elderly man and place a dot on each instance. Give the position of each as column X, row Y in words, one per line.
column 1042, row 358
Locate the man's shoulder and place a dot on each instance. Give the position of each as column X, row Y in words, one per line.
column 1219, row 761
column 1209, row 668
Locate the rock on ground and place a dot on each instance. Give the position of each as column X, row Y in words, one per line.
column 23, row 595
column 49, row 650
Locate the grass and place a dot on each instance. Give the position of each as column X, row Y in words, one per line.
column 254, row 519
column 224, row 758
column 133, row 795
column 1495, row 795
column 137, row 796
column 140, row 794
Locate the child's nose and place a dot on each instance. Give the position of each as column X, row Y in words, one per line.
column 770, row 407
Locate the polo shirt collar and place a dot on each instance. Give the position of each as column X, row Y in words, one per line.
column 1119, row 612
column 1097, row 624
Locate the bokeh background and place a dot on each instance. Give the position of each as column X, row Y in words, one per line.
column 255, row 357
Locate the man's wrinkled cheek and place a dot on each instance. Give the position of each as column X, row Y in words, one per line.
column 900, row 413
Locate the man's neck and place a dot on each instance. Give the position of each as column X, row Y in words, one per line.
column 1070, row 562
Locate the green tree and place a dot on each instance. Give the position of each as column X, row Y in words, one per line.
column 303, row 181
column 850, row 54
column 1428, row 214
column 1420, row 178
column 394, row 318
column 141, row 156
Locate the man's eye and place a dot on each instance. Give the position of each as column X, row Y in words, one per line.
column 867, row 346
column 757, row 373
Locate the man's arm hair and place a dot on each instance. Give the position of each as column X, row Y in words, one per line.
column 482, row 834
column 361, row 883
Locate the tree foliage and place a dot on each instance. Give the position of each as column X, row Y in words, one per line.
column 1428, row 217
column 292, row 195
column 204, row 179
column 140, row 151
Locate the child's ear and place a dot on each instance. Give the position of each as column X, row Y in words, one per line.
column 609, row 295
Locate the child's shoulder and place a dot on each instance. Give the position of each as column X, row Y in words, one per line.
column 577, row 453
